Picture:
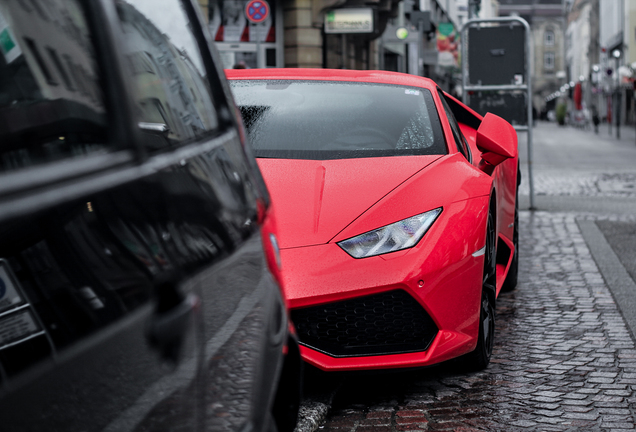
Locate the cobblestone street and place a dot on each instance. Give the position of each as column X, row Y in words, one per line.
column 564, row 359
column 564, row 356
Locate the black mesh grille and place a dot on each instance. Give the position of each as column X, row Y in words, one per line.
column 388, row 323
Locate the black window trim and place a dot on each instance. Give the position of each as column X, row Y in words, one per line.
column 219, row 87
column 462, row 145
column 20, row 194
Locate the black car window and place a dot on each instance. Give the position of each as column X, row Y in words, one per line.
column 338, row 120
column 172, row 93
column 460, row 141
column 51, row 102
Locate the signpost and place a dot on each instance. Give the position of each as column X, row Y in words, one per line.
column 257, row 11
column 496, row 71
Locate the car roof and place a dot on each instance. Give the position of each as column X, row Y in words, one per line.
column 367, row 76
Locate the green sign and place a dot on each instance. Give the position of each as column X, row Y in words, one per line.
column 6, row 42
column 446, row 28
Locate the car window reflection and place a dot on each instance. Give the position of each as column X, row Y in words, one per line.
column 170, row 87
column 51, row 103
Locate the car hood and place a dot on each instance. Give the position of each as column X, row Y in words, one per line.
column 317, row 199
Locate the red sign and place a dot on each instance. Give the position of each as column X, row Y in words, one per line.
column 578, row 96
column 257, row 10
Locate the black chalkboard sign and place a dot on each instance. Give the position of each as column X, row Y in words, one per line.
column 512, row 107
column 496, row 55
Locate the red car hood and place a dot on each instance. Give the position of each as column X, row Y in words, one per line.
column 316, row 199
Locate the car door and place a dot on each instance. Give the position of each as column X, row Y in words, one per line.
column 134, row 287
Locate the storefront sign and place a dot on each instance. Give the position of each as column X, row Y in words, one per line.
column 447, row 45
column 359, row 20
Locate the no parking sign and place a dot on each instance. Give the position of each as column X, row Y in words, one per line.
column 257, row 11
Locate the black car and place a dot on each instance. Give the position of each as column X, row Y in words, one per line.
column 138, row 260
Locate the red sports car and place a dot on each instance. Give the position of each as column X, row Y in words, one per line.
column 397, row 213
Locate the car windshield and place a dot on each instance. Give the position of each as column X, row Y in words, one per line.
column 337, row 120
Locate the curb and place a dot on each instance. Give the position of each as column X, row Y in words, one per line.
column 313, row 411
column 619, row 282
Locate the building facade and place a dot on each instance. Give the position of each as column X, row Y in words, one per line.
column 548, row 24
column 295, row 35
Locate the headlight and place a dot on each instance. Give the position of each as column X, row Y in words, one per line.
column 397, row 236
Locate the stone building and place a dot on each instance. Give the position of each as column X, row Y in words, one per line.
column 582, row 48
column 294, row 35
column 548, row 24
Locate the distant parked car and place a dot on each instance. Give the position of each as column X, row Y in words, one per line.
column 139, row 269
column 397, row 213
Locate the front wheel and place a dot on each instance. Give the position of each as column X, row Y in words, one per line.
column 480, row 357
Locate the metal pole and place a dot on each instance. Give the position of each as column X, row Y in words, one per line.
column 259, row 59
column 420, row 47
column 527, row 87
column 343, row 39
column 618, row 113
column 610, row 109
column 530, row 119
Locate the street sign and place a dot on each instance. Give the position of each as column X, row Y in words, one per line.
column 352, row 20
column 257, row 11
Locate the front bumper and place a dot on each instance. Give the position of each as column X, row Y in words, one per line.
column 434, row 317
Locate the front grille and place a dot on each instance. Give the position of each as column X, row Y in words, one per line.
column 392, row 322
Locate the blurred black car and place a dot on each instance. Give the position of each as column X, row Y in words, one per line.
column 138, row 273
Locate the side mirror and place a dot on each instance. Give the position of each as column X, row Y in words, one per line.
column 497, row 140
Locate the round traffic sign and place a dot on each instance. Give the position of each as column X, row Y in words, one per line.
column 257, row 10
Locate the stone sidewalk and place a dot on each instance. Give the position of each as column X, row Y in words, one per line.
column 564, row 359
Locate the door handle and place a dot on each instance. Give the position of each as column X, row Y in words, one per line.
column 168, row 330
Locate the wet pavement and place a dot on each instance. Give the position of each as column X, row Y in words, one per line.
column 564, row 356
column 564, row 359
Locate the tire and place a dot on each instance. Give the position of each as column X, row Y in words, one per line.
column 510, row 283
column 480, row 357
column 289, row 392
